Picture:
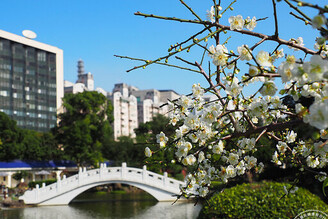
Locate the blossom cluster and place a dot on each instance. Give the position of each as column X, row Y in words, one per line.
column 220, row 138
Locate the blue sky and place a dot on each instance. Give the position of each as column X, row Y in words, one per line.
column 96, row 30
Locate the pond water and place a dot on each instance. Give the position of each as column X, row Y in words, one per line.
column 108, row 205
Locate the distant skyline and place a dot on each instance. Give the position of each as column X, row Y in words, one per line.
column 96, row 30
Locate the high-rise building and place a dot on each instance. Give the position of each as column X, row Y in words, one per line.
column 83, row 83
column 152, row 102
column 84, row 78
column 31, row 81
column 125, row 111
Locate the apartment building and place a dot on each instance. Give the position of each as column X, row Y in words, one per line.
column 31, row 81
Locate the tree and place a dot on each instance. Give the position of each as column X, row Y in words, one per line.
column 39, row 146
column 24, row 144
column 220, row 138
column 146, row 136
column 84, row 125
column 124, row 150
column 10, row 138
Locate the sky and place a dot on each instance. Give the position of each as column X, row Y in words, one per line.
column 95, row 31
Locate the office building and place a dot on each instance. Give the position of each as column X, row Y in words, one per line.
column 31, row 81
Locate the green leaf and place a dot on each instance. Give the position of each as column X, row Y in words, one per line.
column 324, row 185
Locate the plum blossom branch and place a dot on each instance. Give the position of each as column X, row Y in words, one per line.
column 246, row 32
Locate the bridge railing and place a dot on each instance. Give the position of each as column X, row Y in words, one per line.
column 123, row 173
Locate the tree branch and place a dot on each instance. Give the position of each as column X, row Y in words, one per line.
column 246, row 32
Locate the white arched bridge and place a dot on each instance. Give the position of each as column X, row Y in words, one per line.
column 65, row 190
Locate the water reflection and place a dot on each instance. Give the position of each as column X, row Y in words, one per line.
column 105, row 206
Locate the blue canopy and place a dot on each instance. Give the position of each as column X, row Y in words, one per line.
column 36, row 164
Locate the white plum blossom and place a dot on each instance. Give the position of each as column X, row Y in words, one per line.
column 148, row 152
column 174, row 119
column 189, row 160
column 318, row 21
column 233, row 159
column 244, row 53
column 219, row 55
column 197, row 91
column 275, row 158
column 201, row 157
column 250, row 162
column 211, row 14
column 203, row 191
column 218, row 139
column 264, row 59
column 250, row 24
column 161, row 139
column 233, row 88
column 181, row 152
column 291, row 137
column 322, row 46
column 298, row 42
column 236, row 22
column 181, row 131
column 318, row 114
column 285, row 71
column 258, row 107
column 231, row 171
column 278, row 54
column 320, row 148
column 269, row 89
column 241, row 168
column 184, row 101
column 324, row 134
column 218, row 148
column 312, row 161
column 282, row 147
column 316, row 68
column 253, row 71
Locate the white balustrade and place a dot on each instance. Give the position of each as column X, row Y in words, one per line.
column 145, row 179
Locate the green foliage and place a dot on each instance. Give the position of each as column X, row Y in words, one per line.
column 261, row 200
column 146, row 137
column 20, row 175
column 47, row 182
column 124, row 150
column 84, row 126
column 39, row 146
column 23, row 144
column 10, row 138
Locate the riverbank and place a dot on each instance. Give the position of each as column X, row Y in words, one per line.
column 11, row 203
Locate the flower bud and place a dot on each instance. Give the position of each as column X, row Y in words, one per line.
column 321, row 41
column 300, row 4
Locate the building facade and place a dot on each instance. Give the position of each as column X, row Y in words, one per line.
column 31, row 81
column 131, row 106
column 125, row 111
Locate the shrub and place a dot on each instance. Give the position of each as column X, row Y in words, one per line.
column 47, row 182
column 260, row 200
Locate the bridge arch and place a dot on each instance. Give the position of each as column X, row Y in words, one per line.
column 65, row 190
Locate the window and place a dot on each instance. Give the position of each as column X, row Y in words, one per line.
column 4, row 93
column 41, row 56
